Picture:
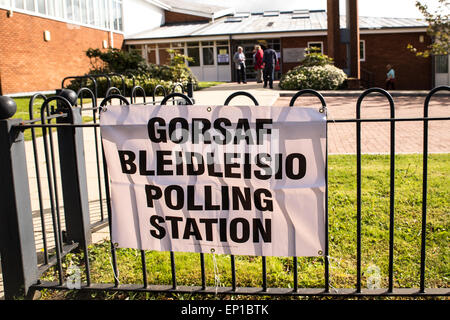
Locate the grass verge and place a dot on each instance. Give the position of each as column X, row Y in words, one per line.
column 24, row 114
column 342, row 236
column 208, row 84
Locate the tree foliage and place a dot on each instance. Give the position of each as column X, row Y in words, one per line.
column 147, row 75
column 438, row 29
column 116, row 60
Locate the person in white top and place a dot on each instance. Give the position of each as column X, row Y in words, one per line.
column 239, row 62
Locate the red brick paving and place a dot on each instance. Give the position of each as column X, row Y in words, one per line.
column 375, row 136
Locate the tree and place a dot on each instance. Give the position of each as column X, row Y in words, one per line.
column 438, row 29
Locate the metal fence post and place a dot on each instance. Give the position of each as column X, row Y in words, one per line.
column 17, row 244
column 190, row 90
column 73, row 177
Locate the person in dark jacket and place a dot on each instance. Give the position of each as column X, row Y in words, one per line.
column 269, row 61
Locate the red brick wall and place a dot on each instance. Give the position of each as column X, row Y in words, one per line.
column 413, row 73
column 28, row 63
column 175, row 17
column 299, row 42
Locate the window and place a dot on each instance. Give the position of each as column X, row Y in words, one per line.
column 193, row 51
column 19, row 4
column 76, row 10
column 208, row 53
column 317, row 45
column 164, row 57
column 51, row 7
column 84, row 13
column 441, row 64
column 104, row 18
column 68, row 9
column 137, row 49
column 41, row 6
column 91, row 12
column 101, row 14
column 208, row 56
column 178, row 47
column 223, row 55
column 362, row 50
column 55, row 8
column 29, row 5
column 151, row 53
column 119, row 15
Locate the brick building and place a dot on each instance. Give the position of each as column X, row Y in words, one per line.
column 44, row 41
column 211, row 34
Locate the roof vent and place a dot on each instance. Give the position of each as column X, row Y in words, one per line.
column 300, row 14
column 233, row 19
column 242, row 14
column 270, row 24
column 273, row 13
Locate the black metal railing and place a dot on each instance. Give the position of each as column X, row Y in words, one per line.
column 23, row 275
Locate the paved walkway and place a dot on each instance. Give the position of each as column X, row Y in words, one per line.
column 342, row 105
column 375, row 137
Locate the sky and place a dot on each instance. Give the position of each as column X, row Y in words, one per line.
column 373, row 8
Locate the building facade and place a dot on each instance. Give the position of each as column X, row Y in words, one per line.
column 43, row 41
column 212, row 41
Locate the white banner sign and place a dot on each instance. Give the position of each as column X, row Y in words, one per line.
column 224, row 179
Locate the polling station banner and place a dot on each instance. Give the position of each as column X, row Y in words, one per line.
column 224, row 179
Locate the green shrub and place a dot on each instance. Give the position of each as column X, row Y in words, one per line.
column 148, row 84
column 326, row 77
column 148, row 76
column 116, row 61
column 315, row 72
column 315, row 58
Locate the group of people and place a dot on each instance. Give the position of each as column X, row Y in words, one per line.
column 264, row 61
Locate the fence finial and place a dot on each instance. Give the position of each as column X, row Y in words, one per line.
column 8, row 107
column 70, row 95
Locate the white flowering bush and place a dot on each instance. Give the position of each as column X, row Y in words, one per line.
column 327, row 77
column 316, row 72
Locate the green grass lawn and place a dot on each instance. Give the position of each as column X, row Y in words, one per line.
column 342, row 235
column 207, row 84
column 23, row 113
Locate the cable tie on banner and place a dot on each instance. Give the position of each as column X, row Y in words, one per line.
column 116, row 276
column 339, row 263
column 323, row 109
column 216, row 270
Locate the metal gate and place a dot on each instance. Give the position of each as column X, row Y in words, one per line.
column 70, row 210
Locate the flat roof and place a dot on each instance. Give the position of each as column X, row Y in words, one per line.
column 257, row 23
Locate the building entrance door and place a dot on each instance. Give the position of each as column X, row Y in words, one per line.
column 248, row 46
column 442, row 72
column 250, row 66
